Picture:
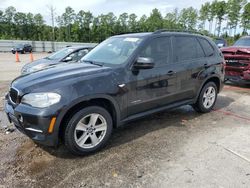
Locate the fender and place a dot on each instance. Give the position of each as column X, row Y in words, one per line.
column 84, row 99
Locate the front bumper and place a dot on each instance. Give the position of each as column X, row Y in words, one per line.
column 238, row 76
column 32, row 122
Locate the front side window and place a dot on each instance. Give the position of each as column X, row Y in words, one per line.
column 113, row 51
column 76, row 56
column 159, row 49
column 187, row 48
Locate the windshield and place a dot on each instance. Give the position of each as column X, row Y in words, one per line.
column 113, row 51
column 243, row 42
column 19, row 45
column 60, row 54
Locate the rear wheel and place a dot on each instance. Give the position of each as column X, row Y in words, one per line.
column 207, row 98
column 88, row 130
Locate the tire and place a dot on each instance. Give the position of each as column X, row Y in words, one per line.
column 211, row 92
column 82, row 136
column 23, row 52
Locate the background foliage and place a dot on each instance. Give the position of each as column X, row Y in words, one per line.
column 219, row 18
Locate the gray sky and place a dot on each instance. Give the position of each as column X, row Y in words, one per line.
column 139, row 7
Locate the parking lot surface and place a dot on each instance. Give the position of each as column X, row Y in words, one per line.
column 175, row 148
column 10, row 68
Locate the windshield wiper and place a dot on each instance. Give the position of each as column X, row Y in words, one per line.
column 92, row 63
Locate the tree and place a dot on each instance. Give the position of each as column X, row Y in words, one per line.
column 21, row 23
column 132, row 23
column 220, row 11
column 155, row 20
column 210, row 16
column 66, row 21
column 9, row 19
column 143, row 24
column 188, row 18
column 171, row 20
column 84, row 27
column 84, row 21
column 234, row 8
column 245, row 18
column 39, row 23
column 204, row 12
column 123, row 23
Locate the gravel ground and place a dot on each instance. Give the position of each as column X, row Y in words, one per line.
column 10, row 69
column 176, row 148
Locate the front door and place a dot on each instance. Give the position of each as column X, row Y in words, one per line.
column 153, row 88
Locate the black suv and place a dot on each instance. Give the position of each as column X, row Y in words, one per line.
column 22, row 48
column 124, row 78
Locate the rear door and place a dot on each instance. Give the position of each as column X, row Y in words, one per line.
column 190, row 61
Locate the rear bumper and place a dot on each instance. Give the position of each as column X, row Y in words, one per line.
column 31, row 124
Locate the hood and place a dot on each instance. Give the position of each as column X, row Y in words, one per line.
column 65, row 75
column 43, row 62
column 236, row 50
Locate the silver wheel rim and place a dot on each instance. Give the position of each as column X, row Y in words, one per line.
column 209, row 97
column 90, row 131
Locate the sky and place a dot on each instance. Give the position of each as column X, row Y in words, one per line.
column 97, row 7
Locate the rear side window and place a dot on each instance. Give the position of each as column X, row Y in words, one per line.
column 209, row 50
column 187, row 48
column 159, row 49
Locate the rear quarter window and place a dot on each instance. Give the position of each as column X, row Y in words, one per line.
column 187, row 48
column 207, row 47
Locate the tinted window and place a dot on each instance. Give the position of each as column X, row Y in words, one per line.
column 209, row 50
column 187, row 48
column 159, row 50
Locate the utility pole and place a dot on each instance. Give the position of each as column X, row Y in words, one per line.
column 52, row 14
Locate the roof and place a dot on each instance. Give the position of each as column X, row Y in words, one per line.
column 158, row 32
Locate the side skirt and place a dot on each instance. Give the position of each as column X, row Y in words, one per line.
column 153, row 111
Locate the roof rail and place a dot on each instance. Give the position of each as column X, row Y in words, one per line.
column 176, row 30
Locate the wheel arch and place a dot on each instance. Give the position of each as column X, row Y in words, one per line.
column 104, row 101
column 214, row 78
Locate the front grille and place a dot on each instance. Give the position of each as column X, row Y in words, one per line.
column 235, row 63
column 13, row 95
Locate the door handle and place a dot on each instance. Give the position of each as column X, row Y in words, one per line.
column 171, row 73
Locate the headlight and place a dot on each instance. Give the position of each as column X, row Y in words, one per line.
column 35, row 68
column 41, row 100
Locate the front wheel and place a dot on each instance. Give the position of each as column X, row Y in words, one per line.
column 207, row 98
column 88, row 130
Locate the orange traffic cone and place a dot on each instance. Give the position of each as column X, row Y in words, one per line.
column 31, row 57
column 17, row 57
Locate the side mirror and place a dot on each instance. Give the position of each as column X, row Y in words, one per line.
column 67, row 59
column 144, row 63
